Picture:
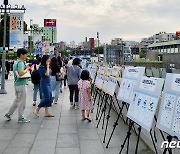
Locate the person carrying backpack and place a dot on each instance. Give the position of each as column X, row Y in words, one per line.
column 35, row 78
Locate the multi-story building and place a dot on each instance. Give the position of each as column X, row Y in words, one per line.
column 50, row 34
column 157, row 38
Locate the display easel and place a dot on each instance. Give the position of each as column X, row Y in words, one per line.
column 127, row 138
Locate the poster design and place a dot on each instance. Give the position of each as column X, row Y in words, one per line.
column 176, row 83
column 176, row 122
column 16, row 30
column 111, row 85
column 25, row 41
column 99, row 81
column 37, row 44
column 168, row 109
column 148, row 83
column 142, row 109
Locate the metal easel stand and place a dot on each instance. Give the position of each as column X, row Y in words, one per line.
column 103, row 111
column 127, row 139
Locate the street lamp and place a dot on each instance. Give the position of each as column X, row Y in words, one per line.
column 6, row 9
column 98, row 44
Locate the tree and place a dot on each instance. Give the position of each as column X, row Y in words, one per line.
column 141, row 55
column 101, row 50
column 64, row 53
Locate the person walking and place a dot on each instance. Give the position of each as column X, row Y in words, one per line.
column 35, row 78
column 73, row 75
column 45, row 86
column 85, row 101
column 55, row 80
column 20, row 87
column 65, row 67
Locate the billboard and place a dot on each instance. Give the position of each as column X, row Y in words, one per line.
column 49, row 22
column 16, row 30
column 37, row 44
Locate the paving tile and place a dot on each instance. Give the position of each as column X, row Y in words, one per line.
column 68, row 120
column 67, row 151
column 17, row 151
column 7, row 134
column 67, row 141
column 31, row 128
column 46, row 134
column 67, row 128
column 88, row 134
column 41, row 143
column 91, row 147
column 4, row 144
column 22, row 141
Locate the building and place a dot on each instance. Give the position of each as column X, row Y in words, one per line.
column 91, row 43
column 50, row 34
column 159, row 37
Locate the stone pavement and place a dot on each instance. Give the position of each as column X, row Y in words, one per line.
column 63, row 134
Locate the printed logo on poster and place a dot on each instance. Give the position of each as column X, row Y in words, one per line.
column 171, row 145
column 148, row 84
column 176, row 83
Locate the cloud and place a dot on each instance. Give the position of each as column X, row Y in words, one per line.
column 129, row 19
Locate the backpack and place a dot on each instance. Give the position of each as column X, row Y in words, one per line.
column 35, row 76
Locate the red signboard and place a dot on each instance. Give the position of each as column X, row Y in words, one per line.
column 49, row 22
column 178, row 34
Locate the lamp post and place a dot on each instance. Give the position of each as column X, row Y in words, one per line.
column 6, row 9
column 98, row 44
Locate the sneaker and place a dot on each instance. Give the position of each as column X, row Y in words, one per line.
column 55, row 102
column 89, row 119
column 76, row 107
column 7, row 116
column 23, row 120
column 71, row 107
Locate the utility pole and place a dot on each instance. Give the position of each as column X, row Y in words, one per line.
column 98, row 44
column 6, row 9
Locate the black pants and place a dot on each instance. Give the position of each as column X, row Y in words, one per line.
column 65, row 80
column 73, row 89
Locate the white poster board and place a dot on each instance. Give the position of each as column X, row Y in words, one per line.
column 131, row 76
column 116, row 71
column 105, row 83
column 111, row 85
column 99, row 81
column 169, row 114
column 144, row 101
column 92, row 71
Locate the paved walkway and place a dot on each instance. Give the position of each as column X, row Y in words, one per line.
column 63, row 134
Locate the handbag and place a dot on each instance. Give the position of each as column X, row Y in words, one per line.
column 59, row 76
column 25, row 76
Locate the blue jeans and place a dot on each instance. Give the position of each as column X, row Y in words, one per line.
column 35, row 91
column 55, row 85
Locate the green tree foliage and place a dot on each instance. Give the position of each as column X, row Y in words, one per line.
column 64, row 53
column 101, row 50
column 141, row 55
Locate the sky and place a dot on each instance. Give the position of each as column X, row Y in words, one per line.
column 127, row 19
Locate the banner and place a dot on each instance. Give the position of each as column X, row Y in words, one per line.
column 37, row 44
column 16, row 30
column 25, row 41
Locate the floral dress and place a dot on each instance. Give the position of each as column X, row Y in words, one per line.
column 84, row 102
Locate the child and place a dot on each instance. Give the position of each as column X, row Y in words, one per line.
column 85, row 102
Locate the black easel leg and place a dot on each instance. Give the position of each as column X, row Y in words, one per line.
column 153, row 141
column 104, row 115
column 169, row 150
column 101, row 104
column 115, row 124
column 108, row 116
column 103, row 110
column 127, row 137
column 139, row 129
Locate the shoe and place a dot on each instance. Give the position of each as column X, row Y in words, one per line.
column 52, row 100
column 76, row 107
column 49, row 115
column 34, row 104
column 7, row 116
column 55, row 102
column 89, row 119
column 61, row 90
column 23, row 120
